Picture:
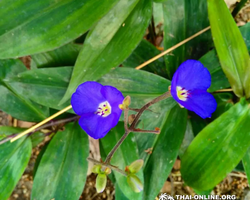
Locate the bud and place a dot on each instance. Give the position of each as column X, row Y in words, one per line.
column 125, row 104
column 106, row 170
column 96, row 169
column 134, row 167
column 158, row 130
column 134, row 183
column 101, row 181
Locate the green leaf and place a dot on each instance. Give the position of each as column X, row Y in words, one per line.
column 197, row 122
column 37, row 138
column 239, row 6
column 224, row 103
column 160, row 1
column 134, row 183
column 165, row 151
column 124, row 156
column 211, row 62
column 158, row 14
column 141, row 54
column 29, row 27
column 246, row 164
column 102, row 48
column 218, row 79
column 101, row 181
column 14, row 158
column 119, row 194
column 45, row 86
column 182, row 19
column 12, row 102
column 219, row 147
column 62, row 171
column 63, row 56
column 188, row 138
column 230, row 46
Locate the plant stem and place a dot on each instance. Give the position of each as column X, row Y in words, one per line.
column 126, row 120
column 132, row 127
column 111, row 153
column 157, row 99
column 41, row 123
column 51, row 123
column 107, row 165
column 146, row 131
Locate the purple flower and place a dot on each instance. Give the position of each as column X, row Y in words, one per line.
column 189, row 88
column 98, row 107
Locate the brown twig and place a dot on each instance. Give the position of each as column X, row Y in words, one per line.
column 51, row 123
column 134, row 123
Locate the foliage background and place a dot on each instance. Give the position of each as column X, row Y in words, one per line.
column 112, row 36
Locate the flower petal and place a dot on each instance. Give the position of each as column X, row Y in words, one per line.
column 87, row 98
column 114, row 97
column 96, row 126
column 191, row 75
column 200, row 102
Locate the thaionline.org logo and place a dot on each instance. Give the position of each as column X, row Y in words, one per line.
column 165, row 196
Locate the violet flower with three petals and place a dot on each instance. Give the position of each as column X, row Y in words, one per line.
column 98, row 107
column 189, row 88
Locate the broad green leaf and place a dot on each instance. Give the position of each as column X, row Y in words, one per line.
column 197, row 122
column 119, row 194
column 224, row 102
column 142, row 87
column 246, row 164
column 219, row 147
column 14, row 158
column 124, row 156
column 165, row 151
column 160, row 1
column 211, row 62
column 218, row 79
column 62, row 171
column 230, row 46
column 47, row 86
column 12, row 102
column 182, row 19
column 37, row 138
column 158, row 13
column 188, row 138
column 63, row 56
column 110, row 41
column 141, row 54
column 29, row 27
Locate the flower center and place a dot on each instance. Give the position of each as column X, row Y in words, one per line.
column 182, row 93
column 104, row 109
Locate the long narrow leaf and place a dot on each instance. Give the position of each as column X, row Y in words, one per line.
column 230, row 46
column 110, row 41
